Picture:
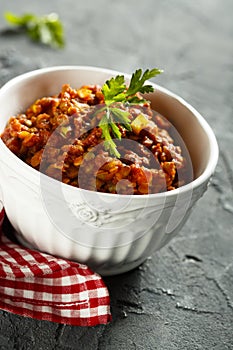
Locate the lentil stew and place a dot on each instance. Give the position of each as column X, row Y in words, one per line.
column 60, row 136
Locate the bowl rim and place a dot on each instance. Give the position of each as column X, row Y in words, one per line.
column 201, row 179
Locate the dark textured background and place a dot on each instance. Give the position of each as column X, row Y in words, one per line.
column 182, row 297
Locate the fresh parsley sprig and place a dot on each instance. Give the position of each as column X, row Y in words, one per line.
column 46, row 29
column 115, row 90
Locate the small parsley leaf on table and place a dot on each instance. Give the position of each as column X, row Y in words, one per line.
column 46, row 29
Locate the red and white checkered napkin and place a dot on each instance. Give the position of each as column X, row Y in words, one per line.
column 44, row 287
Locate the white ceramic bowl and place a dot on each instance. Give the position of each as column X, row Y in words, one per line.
column 110, row 233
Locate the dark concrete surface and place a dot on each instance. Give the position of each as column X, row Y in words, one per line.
column 182, row 297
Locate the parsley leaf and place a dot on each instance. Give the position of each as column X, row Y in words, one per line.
column 137, row 81
column 115, row 90
column 122, row 117
column 47, row 29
